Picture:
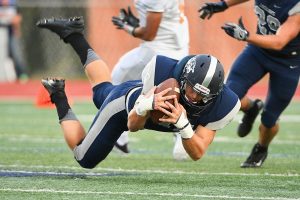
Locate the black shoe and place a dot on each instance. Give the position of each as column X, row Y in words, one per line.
column 122, row 148
column 249, row 117
column 63, row 27
column 257, row 157
column 54, row 86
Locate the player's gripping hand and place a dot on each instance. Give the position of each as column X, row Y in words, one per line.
column 209, row 9
column 237, row 31
column 152, row 101
column 178, row 117
column 173, row 112
column 126, row 21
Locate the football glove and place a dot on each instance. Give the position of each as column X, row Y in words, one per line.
column 211, row 8
column 129, row 17
column 237, row 31
column 126, row 21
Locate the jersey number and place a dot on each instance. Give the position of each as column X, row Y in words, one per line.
column 266, row 20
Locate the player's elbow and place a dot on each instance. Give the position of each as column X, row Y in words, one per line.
column 278, row 45
column 149, row 38
column 196, row 157
column 134, row 125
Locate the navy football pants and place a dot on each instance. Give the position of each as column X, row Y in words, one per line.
column 251, row 65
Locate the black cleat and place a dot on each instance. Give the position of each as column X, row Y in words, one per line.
column 63, row 27
column 122, row 148
column 54, row 86
column 249, row 117
column 257, row 157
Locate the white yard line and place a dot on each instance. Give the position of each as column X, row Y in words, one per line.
column 97, row 171
column 148, row 194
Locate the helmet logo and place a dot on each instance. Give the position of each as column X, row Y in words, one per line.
column 201, row 89
column 190, row 65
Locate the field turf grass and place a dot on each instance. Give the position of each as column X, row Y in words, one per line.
column 35, row 163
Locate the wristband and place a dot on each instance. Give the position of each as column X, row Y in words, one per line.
column 129, row 29
column 187, row 132
column 143, row 104
column 182, row 121
column 185, row 129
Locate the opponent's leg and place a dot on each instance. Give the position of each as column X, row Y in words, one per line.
column 282, row 86
column 251, row 110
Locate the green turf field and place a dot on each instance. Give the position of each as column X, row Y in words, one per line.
column 35, row 163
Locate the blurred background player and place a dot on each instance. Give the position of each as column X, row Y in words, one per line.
column 9, row 14
column 205, row 105
column 163, row 29
column 275, row 50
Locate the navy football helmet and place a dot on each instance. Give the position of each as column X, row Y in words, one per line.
column 205, row 74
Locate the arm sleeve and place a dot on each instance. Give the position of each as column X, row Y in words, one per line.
column 148, row 75
column 295, row 9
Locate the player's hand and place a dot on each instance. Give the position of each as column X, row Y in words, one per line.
column 174, row 112
column 237, row 31
column 209, row 9
column 160, row 99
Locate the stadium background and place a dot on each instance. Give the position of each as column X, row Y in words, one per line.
column 46, row 55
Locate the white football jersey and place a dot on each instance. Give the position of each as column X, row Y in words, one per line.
column 173, row 31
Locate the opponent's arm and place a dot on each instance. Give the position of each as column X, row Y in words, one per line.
column 195, row 142
column 208, row 9
column 148, row 33
column 286, row 32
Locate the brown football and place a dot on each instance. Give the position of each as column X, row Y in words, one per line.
column 169, row 83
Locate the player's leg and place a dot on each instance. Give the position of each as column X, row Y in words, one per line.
column 245, row 72
column 103, row 133
column 71, row 127
column 283, row 84
column 71, row 31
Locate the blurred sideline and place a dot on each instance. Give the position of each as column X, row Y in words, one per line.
column 81, row 90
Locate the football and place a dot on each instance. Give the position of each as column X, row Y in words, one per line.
column 169, row 83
